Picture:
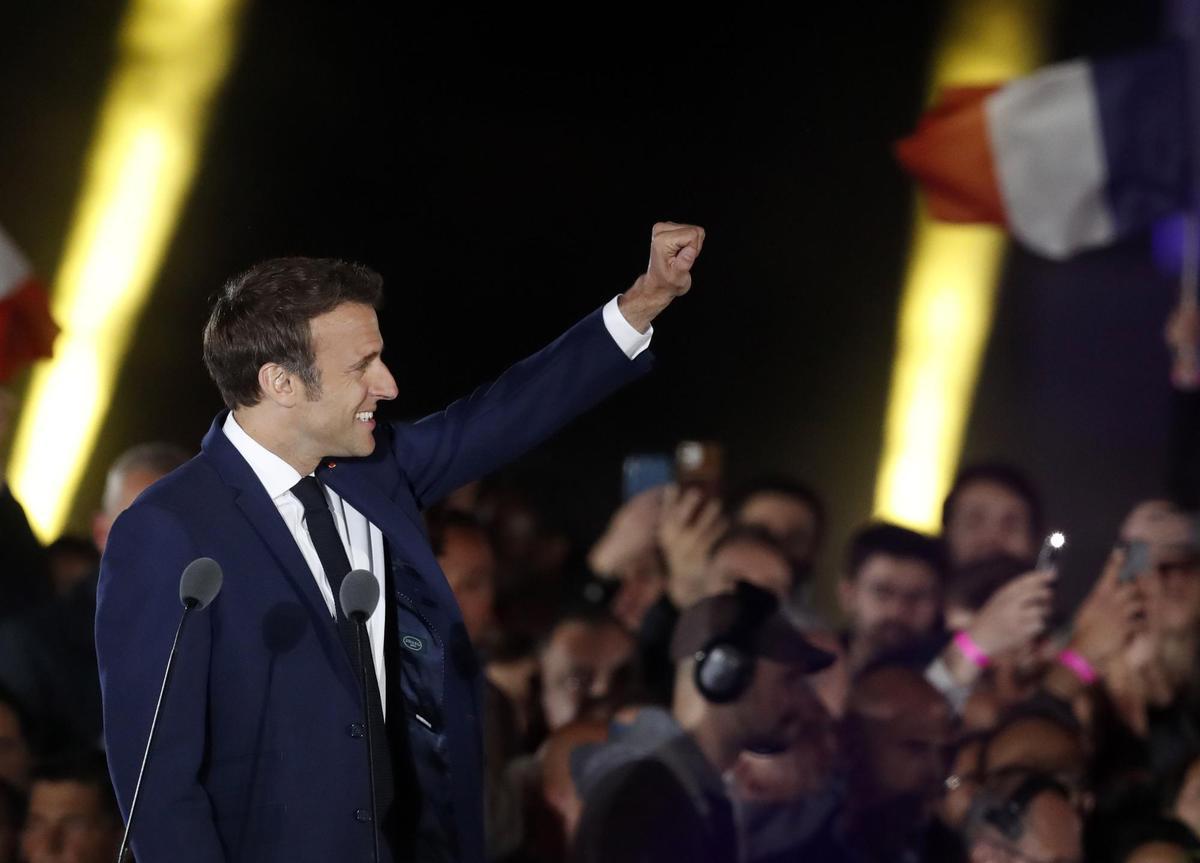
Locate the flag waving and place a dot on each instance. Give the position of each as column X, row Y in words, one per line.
column 1070, row 158
column 26, row 329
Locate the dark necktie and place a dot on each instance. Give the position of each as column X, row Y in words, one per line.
column 324, row 535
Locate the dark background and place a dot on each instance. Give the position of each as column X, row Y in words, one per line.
column 503, row 170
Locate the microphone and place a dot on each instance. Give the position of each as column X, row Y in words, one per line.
column 200, row 583
column 198, row 587
column 359, row 594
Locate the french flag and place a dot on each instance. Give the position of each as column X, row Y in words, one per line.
column 26, row 329
column 1070, row 158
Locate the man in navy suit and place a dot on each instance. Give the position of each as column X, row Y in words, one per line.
column 260, row 754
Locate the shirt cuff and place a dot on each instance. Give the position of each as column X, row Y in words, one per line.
column 627, row 338
column 938, row 675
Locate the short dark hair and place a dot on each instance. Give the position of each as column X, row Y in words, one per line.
column 86, row 767
column 583, row 615
column 1012, row 478
column 896, row 541
column 785, row 486
column 1039, row 708
column 263, row 315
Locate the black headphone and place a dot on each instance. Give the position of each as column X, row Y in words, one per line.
column 725, row 665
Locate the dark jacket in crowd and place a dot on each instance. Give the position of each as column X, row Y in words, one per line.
column 24, row 567
column 48, row 661
column 670, row 805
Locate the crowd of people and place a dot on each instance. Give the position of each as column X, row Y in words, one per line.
column 670, row 689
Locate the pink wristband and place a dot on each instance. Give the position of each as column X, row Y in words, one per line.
column 971, row 650
column 1074, row 660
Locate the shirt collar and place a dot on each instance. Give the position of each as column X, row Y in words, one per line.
column 276, row 475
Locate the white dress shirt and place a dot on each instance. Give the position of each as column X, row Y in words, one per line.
column 362, row 539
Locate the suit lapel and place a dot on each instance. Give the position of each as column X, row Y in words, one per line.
column 407, row 542
column 263, row 516
column 414, row 577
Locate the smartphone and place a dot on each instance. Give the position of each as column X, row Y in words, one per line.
column 1137, row 558
column 1052, row 548
column 700, row 464
column 643, row 471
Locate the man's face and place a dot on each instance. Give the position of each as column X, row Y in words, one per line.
column 750, row 562
column 67, row 823
column 787, row 733
column 470, row 567
column 911, row 756
column 891, row 601
column 132, row 483
column 1053, row 831
column 791, row 521
column 988, row 519
column 584, row 668
column 1171, row 579
column 779, row 708
column 1053, row 834
column 340, row 418
column 903, row 738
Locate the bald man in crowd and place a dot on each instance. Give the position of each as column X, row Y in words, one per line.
column 895, row 742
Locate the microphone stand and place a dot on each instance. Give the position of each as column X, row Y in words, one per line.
column 188, row 605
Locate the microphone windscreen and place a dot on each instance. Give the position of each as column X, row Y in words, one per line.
column 200, row 582
column 359, row 593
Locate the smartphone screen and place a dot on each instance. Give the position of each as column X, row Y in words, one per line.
column 644, row 471
column 1137, row 558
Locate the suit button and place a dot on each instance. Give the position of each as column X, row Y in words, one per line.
column 362, row 815
column 355, row 729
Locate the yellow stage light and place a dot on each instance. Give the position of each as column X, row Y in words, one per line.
column 950, row 286
column 174, row 55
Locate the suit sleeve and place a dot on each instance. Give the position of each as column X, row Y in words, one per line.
column 502, row 420
column 137, row 612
